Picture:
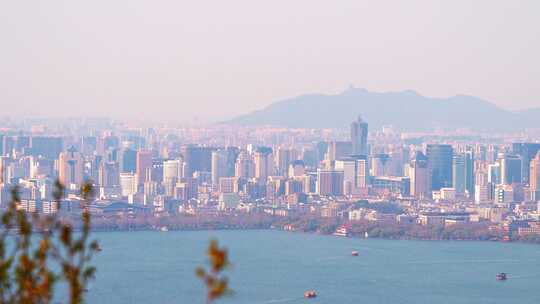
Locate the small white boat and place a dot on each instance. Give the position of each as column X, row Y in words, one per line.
column 164, row 229
column 341, row 231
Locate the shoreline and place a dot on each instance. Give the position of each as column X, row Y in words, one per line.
column 150, row 229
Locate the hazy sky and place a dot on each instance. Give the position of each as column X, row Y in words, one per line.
column 215, row 59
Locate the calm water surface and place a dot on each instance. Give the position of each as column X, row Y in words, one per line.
column 277, row 267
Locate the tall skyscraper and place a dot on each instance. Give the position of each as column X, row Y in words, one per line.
column 511, row 169
column 219, row 165
column 70, row 167
column 419, row 176
column 362, row 172
column 470, row 174
column 527, row 151
column 196, row 158
column 359, row 135
column 232, row 155
column 156, row 173
column 284, row 157
column 244, row 167
column 459, row 173
column 440, row 166
column 349, row 168
column 535, row 177
column 264, row 163
column 494, row 173
column 144, row 165
column 172, row 172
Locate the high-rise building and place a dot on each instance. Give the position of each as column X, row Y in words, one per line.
column 156, row 172
column 330, row 182
column 245, row 167
column 284, row 157
column 70, row 167
column 458, row 173
column 196, row 159
column 88, row 145
column 264, row 163
column 362, row 172
column 470, row 174
column 172, row 171
column 8, row 144
column 355, row 174
column 526, row 151
column 359, row 135
column 511, row 169
column 339, row 149
column 380, row 164
column 41, row 167
column 349, row 168
column 297, row 168
column 419, row 176
column 186, row 188
column 144, row 165
column 128, row 183
column 232, row 155
column 440, row 165
column 219, row 165
column 128, row 160
column 48, row 147
column 228, row 184
column 534, row 176
column 494, row 173
column 109, row 174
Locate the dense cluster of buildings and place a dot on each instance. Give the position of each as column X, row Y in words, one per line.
column 436, row 178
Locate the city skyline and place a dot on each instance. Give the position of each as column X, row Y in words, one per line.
column 244, row 151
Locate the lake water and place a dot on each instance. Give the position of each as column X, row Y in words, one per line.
column 277, row 267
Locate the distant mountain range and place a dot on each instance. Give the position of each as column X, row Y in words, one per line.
column 405, row 110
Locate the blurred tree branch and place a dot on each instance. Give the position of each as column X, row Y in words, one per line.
column 31, row 244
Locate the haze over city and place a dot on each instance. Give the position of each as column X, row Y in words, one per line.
column 207, row 61
column 329, row 151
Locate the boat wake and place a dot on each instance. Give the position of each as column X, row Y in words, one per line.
column 523, row 276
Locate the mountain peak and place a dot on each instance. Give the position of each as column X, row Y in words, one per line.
column 407, row 110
